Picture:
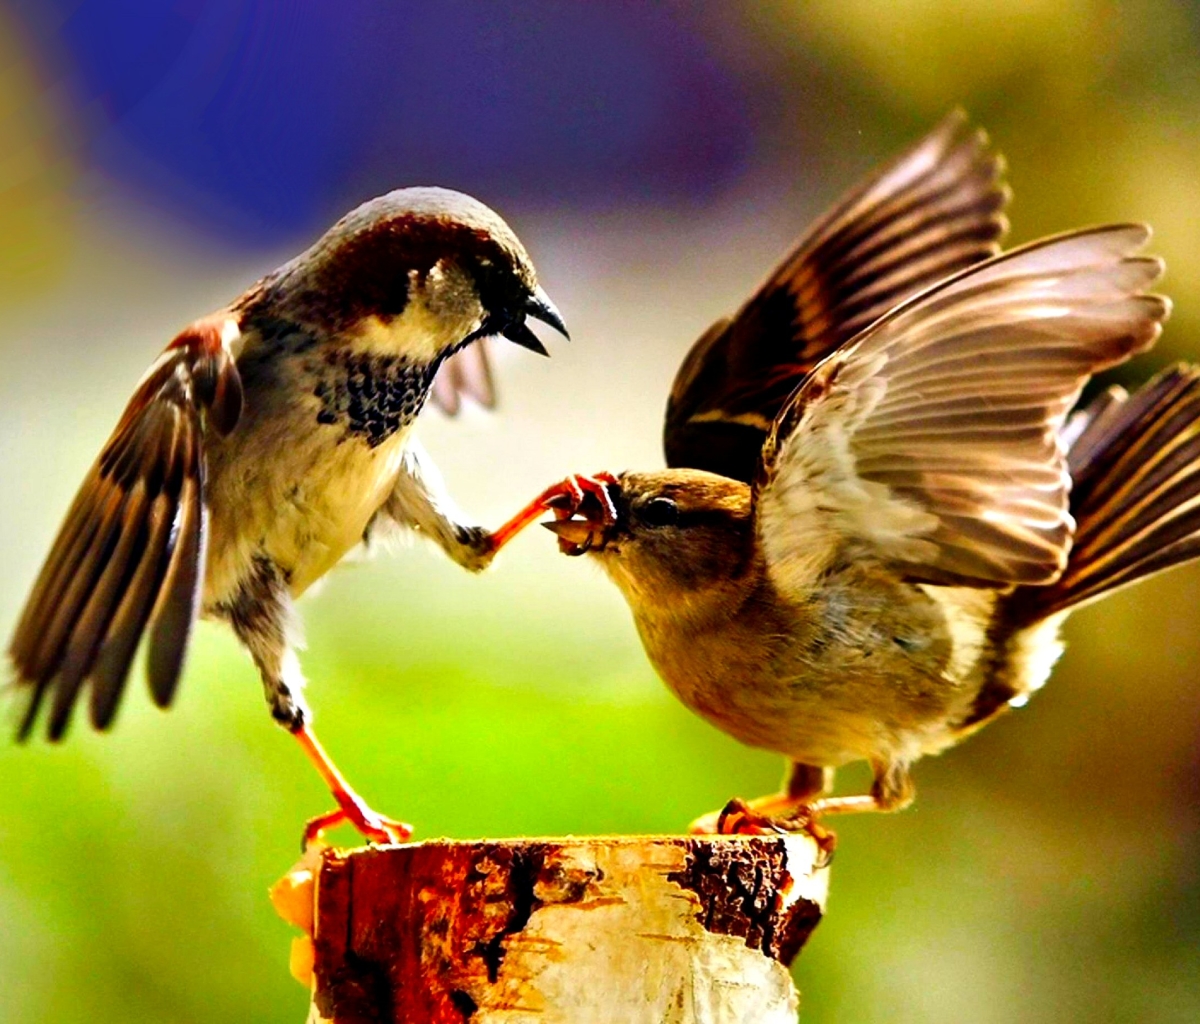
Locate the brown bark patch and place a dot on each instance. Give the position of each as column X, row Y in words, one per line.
column 741, row 887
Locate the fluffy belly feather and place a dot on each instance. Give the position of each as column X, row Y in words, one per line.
column 871, row 670
column 302, row 508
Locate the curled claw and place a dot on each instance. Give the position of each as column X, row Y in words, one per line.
column 597, row 486
column 571, row 493
column 739, row 818
column 589, row 498
column 351, row 808
column 371, row 826
column 565, row 499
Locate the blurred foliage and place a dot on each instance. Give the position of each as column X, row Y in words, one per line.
column 656, row 158
column 34, row 171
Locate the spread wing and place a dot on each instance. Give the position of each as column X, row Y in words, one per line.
column 932, row 444
column 936, row 209
column 130, row 556
column 467, row 373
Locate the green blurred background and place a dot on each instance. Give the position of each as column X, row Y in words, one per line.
column 156, row 157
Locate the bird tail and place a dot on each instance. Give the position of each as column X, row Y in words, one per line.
column 1135, row 469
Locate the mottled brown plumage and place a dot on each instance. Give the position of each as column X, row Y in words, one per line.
column 268, row 440
column 937, row 208
column 893, row 569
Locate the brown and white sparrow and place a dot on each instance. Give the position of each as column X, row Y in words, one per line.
column 877, row 513
column 269, row 439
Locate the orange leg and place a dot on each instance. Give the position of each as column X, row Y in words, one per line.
column 798, row 807
column 352, row 809
column 567, row 494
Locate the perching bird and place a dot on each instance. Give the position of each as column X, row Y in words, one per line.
column 269, row 439
column 877, row 514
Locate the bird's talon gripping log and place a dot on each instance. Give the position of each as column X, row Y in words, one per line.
column 351, row 809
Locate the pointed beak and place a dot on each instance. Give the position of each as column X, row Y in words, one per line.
column 523, row 336
column 539, row 306
column 576, row 536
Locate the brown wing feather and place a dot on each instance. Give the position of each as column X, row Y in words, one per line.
column 467, row 373
column 1136, row 494
column 933, row 211
column 131, row 549
column 931, row 443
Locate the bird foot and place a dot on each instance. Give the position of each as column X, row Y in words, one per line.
column 566, row 497
column 738, row 818
column 373, row 827
column 352, row 809
column 570, row 494
column 587, row 497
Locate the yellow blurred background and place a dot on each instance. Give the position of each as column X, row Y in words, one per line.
column 656, row 159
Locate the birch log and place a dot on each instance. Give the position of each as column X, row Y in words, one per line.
column 619, row 930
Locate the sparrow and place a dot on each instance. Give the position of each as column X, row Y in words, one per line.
column 877, row 513
column 268, row 440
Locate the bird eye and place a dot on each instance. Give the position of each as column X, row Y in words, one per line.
column 660, row 512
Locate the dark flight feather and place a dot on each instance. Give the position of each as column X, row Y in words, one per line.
column 935, row 210
column 131, row 551
column 1136, row 494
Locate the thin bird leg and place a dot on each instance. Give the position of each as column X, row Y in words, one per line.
column 846, row 805
column 352, row 809
column 565, row 495
column 798, row 807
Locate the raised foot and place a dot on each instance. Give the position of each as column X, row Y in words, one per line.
column 738, row 818
column 566, row 498
column 588, row 498
column 374, row 827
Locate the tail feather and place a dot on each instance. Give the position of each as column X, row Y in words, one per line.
column 1135, row 469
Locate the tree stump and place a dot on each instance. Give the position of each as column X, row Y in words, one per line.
column 556, row 931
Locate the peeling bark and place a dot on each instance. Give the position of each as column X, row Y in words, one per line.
column 570, row 931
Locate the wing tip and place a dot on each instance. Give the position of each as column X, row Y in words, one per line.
column 21, row 698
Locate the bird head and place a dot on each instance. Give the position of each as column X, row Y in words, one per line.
column 667, row 534
column 418, row 273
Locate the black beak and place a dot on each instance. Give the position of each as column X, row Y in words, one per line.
column 538, row 306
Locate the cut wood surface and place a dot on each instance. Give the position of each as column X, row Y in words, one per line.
column 556, row 931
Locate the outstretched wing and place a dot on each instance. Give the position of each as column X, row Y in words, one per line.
column 466, row 374
column 936, row 209
column 130, row 555
column 932, row 442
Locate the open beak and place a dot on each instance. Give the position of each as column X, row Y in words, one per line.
column 579, row 532
column 577, row 536
column 538, row 306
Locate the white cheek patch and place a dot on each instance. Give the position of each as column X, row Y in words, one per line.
column 441, row 311
column 231, row 338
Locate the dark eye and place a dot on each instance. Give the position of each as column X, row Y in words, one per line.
column 660, row 512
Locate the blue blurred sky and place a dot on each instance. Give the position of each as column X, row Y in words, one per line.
column 268, row 118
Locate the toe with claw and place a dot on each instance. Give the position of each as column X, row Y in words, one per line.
column 565, row 499
column 374, row 827
column 739, row 818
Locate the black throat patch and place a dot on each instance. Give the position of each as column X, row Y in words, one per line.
column 372, row 396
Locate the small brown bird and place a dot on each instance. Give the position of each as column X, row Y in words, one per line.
column 269, row 439
column 877, row 514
